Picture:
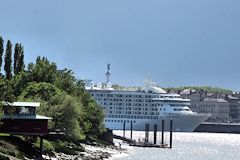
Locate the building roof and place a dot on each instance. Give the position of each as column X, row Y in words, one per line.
column 232, row 98
column 220, row 100
column 31, row 117
column 26, row 104
column 188, row 91
column 22, row 104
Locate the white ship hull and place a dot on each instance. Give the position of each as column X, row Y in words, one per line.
column 181, row 123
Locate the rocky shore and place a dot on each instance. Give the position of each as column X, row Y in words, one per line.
column 91, row 153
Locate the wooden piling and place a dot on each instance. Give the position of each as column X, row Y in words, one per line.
column 131, row 130
column 146, row 133
column 124, row 128
column 162, row 142
column 41, row 145
column 171, row 131
column 155, row 134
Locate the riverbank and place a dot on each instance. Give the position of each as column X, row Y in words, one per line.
column 17, row 147
column 92, row 153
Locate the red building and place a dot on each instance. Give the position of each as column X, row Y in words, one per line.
column 20, row 118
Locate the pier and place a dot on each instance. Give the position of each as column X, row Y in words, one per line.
column 146, row 142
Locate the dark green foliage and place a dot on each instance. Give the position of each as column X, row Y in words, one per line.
column 62, row 97
column 43, row 71
column 43, row 91
column 16, row 57
column 6, row 88
column 20, row 82
column 20, row 65
column 1, row 52
column 2, row 157
column 8, row 60
column 66, row 112
column 93, row 116
column 65, row 80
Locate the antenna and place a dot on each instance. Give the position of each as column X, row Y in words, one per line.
column 108, row 74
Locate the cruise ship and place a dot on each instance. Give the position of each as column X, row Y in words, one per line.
column 149, row 105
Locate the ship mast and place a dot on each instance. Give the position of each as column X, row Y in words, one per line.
column 108, row 74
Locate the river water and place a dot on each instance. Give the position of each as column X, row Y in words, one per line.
column 187, row 146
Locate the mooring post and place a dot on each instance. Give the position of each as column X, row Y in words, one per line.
column 155, row 134
column 124, row 127
column 131, row 130
column 41, row 145
column 171, row 131
column 162, row 132
column 146, row 133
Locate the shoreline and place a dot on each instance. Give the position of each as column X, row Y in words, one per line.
column 93, row 153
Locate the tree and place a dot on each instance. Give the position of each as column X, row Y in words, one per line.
column 43, row 91
column 93, row 116
column 16, row 57
column 42, row 71
column 1, row 52
column 8, row 60
column 18, row 65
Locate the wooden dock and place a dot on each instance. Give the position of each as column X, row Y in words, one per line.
column 145, row 142
column 148, row 145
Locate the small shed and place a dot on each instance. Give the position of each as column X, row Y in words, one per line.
column 20, row 118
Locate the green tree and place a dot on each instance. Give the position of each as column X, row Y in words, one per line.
column 1, row 52
column 65, row 80
column 20, row 61
column 8, row 60
column 39, row 91
column 93, row 116
column 42, row 71
column 16, row 57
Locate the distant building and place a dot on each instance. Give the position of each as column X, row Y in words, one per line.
column 195, row 98
column 223, row 107
column 234, row 108
column 219, row 108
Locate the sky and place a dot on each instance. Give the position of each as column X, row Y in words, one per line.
column 173, row 42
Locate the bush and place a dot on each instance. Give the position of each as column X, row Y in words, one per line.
column 47, row 145
column 2, row 157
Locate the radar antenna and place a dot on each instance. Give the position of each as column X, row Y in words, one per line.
column 108, row 74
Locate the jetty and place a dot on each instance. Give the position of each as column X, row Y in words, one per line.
column 145, row 142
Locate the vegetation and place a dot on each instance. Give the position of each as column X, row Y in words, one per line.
column 1, row 52
column 62, row 96
column 179, row 89
column 8, row 60
column 203, row 88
